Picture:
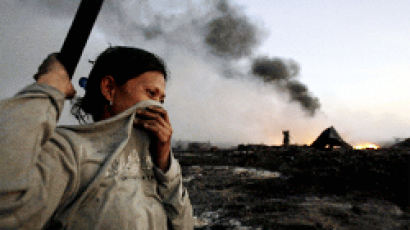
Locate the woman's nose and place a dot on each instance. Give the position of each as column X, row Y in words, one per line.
column 156, row 98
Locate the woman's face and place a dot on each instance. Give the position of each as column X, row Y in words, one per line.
column 147, row 86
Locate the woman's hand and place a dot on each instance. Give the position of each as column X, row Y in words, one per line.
column 155, row 120
column 51, row 72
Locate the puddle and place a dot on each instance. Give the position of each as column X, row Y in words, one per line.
column 187, row 179
column 207, row 218
column 211, row 218
column 256, row 173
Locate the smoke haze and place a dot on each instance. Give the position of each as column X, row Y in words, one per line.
column 218, row 91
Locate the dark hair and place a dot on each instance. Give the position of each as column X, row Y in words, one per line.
column 122, row 63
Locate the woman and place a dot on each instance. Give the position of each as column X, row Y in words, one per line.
column 115, row 173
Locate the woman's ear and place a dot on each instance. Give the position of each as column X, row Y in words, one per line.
column 107, row 87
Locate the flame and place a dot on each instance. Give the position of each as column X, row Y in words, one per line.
column 366, row 146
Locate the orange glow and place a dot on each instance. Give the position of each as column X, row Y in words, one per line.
column 366, row 146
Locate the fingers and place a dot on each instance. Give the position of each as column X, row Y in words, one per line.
column 51, row 72
column 44, row 67
column 51, row 64
column 163, row 133
column 162, row 112
column 149, row 114
column 155, row 120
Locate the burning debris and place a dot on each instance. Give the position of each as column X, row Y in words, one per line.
column 366, row 146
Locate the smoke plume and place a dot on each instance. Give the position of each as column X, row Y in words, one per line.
column 230, row 35
column 210, row 48
column 282, row 73
column 275, row 69
column 299, row 92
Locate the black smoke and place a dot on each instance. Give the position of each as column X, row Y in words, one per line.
column 224, row 30
column 300, row 93
column 275, row 69
column 283, row 73
column 230, row 35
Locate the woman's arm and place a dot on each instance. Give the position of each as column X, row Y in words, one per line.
column 37, row 167
column 168, row 171
column 175, row 196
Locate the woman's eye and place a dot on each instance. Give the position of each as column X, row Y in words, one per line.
column 151, row 92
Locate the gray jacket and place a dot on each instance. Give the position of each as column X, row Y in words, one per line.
column 96, row 176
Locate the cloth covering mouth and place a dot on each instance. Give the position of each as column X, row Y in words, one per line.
column 130, row 112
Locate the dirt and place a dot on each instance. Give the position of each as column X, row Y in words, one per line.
column 298, row 188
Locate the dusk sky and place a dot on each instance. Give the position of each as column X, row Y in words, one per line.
column 354, row 56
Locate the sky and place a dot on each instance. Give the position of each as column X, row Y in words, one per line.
column 351, row 56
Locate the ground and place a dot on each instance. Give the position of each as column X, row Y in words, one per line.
column 298, row 188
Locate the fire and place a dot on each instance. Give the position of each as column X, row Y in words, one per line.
column 366, row 146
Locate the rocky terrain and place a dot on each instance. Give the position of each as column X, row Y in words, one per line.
column 298, row 188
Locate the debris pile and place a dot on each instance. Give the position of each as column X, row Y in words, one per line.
column 298, row 188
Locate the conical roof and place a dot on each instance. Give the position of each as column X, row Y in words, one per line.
column 330, row 138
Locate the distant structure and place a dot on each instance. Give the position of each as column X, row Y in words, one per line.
column 285, row 138
column 402, row 144
column 329, row 139
column 196, row 146
column 199, row 146
column 253, row 147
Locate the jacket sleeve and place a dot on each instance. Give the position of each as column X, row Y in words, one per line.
column 38, row 169
column 175, row 196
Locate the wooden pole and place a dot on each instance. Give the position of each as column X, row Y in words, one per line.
column 78, row 34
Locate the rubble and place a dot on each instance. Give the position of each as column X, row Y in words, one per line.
column 298, row 188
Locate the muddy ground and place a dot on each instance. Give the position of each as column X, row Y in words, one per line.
column 298, row 188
